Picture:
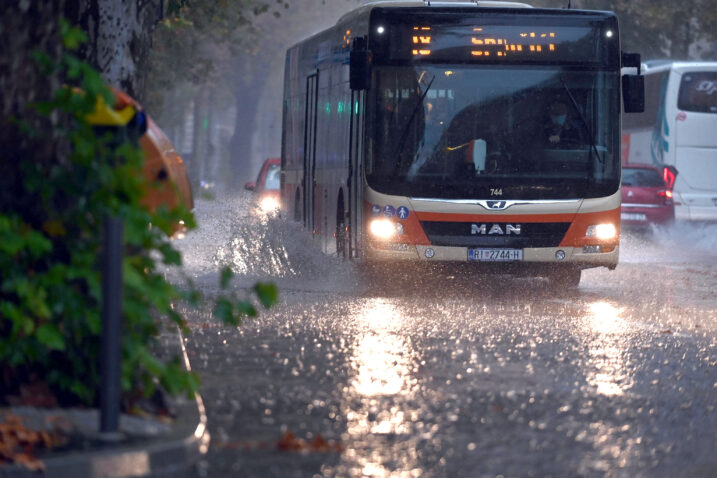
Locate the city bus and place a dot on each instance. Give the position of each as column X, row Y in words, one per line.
column 436, row 132
column 678, row 129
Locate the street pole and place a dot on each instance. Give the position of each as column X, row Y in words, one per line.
column 111, row 352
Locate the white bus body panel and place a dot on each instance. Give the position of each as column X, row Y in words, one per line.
column 686, row 140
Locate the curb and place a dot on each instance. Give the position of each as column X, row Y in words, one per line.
column 160, row 456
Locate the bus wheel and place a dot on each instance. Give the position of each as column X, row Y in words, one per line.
column 564, row 278
column 297, row 207
column 341, row 236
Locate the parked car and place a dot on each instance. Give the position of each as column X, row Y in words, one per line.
column 647, row 195
column 267, row 186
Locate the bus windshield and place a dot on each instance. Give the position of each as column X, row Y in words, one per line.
column 456, row 132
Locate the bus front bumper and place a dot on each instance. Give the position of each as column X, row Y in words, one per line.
column 584, row 257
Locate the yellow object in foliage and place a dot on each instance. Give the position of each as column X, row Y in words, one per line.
column 107, row 115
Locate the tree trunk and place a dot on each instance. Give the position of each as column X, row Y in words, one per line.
column 682, row 36
column 119, row 34
column 247, row 97
column 26, row 27
column 199, row 138
column 247, row 105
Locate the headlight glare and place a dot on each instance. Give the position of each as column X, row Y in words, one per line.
column 602, row 231
column 383, row 228
column 269, row 204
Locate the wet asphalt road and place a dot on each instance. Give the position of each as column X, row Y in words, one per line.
column 454, row 374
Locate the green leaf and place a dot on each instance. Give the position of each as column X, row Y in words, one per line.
column 170, row 255
column 192, row 296
column 133, row 278
column 175, row 377
column 246, row 308
column 92, row 82
column 45, row 61
column 72, row 37
column 226, row 277
column 10, row 310
column 268, row 293
column 224, row 311
column 192, row 384
column 150, row 362
column 49, row 335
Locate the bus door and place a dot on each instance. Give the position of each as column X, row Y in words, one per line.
column 355, row 199
column 309, row 180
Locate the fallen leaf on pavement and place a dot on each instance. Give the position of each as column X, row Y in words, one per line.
column 289, row 442
column 18, row 443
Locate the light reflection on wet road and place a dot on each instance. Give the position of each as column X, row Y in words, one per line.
column 426, row 374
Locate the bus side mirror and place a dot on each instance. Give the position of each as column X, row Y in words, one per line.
column 633, row 86
column 359, row 65
column 633, row 93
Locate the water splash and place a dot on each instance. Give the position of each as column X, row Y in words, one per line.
column 271, row 247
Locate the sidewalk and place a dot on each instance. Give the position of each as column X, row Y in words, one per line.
column 150, row 448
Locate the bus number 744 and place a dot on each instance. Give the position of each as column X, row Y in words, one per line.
column 496, row 192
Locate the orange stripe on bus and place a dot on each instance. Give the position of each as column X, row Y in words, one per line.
column 454, row 217
column 414, row 232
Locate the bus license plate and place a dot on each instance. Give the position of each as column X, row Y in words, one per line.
column 495, row 255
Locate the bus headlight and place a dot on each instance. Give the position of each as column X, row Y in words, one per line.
column 385, row 229
column 602, row 231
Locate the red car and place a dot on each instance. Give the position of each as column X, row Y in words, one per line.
column 647, row 195
column 266, row 187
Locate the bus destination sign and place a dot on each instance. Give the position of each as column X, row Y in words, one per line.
column 486, row 42
column 585, row 40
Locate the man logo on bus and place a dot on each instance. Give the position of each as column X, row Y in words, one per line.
column 496, row 204
column 495, row 229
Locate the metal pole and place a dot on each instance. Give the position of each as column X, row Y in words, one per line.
column 111, row 353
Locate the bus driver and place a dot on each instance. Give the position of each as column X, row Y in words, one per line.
column 560, row 130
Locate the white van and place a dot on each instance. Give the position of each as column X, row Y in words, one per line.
column 679, row 128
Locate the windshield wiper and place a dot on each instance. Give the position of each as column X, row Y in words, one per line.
column 404, row 134
column 584, row 122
